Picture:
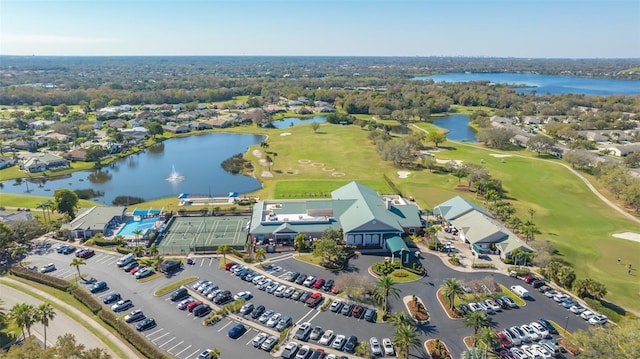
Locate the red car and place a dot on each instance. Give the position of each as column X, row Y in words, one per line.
column 192, row 305
column 335, row 290
column 504, row 340
column 318, row 283
column 529, row 279
column 313, row 299
column 135, row 269
column 228, row 265
column 87, row 253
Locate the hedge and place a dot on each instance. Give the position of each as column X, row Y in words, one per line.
column 38, row 277
column 86, row 298
column 131, row 335
column 483, row 265
column 123, row 250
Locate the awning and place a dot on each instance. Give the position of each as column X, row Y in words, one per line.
column 395, row 244
column 233, row 194
column 183, row 195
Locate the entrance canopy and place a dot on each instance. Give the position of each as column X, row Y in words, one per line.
column 396, row 244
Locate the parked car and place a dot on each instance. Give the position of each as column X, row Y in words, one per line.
column 237, row 331
column 328, row 285
column 304, row 352
column 193, row 304
column 504, row 340
column 289, row 351
column 538, row 283
column 370, row 315
column 510, row 302
column 122, row 305
column 475, row 307
column 206, row 354
column 491, row 303
column 339, row 342
column 303, row 331
column 336, row 305
column 179, row 294
column 350, row 345
column 357, row 311
column 272, row 287
column 265, row 316
column 577, row 309
column 287, row 293
column 387, row 345
column 48, row 268
column 145, row 272
column 279, row 292
column 61, row 248
column 246, row 308
column 327, row 337
column 541, row 330
column 346, row 309
column 128, row 267
column 309, row 281
column 134, row 316
column 513, row 338
column 316, row 333
column 228, row 265
column 223, row 297
column 284, row 322
column 587, row 314
column 246, row 295
column 296, row 294
column 313, row 299
column 545, row 323
column 98, row 287
column 531, row 333
column 273, row 320
column 318, row 283
column 259, row 339
column 146, row 323
column 598, row 319
column 201, row 310
column 87, row 253
column 113, row 297
column 268, row 344
column 561, row 297
column 257, row 312
column 568, row 303
column 301, row 278
column 376, row 348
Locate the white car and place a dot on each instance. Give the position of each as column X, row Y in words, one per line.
column 561, row 297
column 257, row 279
column 577, row 309
column 48, row 268
column 144, row 273
column 339, row 342
column 265, row 316
column 542, row 351
column 326, row 338
column 514, row 339
column 279, row 292
column 491, row 303
column 587, row 314
column 376, row 348
column 246, row 295
column 542, row 331
column 388, row 347
column 272, row 287
column 598, row 319
column 274, row 320
column 211, row 296
column 287, row 293
column 259, row 339
column 530, row 332
column 184, row 303
column 475, row 307
column 308, row 281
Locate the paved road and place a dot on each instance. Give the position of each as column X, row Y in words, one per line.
column 60, row 325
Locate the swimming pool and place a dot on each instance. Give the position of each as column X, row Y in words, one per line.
column 132, row 225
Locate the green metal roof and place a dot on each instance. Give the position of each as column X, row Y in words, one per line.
column 456, row 207
column 395, row 244
column 368, row 206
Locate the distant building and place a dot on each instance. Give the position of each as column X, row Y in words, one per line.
column 41, row 161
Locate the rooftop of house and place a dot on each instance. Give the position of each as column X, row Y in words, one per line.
column 94, row 218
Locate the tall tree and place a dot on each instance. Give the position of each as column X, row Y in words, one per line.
column 24, row 317
column 384, row 288
column 488, row 337
column 400, row 318
column 540, row 144
column 261, row 254
column 45, row 314
column 137, row 232
column 405, row 338
column 612, row 341
column 224, row 249
column 452, row 288
column 66, row 201
column 436, row 137
column 76, row 263
column 476, row 320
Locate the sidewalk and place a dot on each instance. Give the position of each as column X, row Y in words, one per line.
column 75, row 327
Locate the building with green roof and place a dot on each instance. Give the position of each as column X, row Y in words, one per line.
column 93, row 220
column 365, row 218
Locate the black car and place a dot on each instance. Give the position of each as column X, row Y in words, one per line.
column 258, row 311
column 303, row 298
column 464, row 309
column 294, row 276
column 98, row 287
column 538, row 283
column 113, row 297
column 130, row 266
column 69, row 250
column 502, row 303
column 145, row 324
column 223, row 298
column 179, row 294
column 62, row 248
column 328, row 285
column 201, row 310
column 351, row 344
column 301, row 278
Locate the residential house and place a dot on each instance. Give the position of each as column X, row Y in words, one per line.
column 76, row 155
column 532, row 120
column 479, row 228
column 41, row 161
column 365, row 218
column 60, row 137
column 94, row 220
column 138, row 133
column 118, row 124
column 40, row 124
column 25, row 145
column 623, row 150
column 520, row 140
column 6, row 162
column 219, row 122
column 176, row 128
column 178, row 107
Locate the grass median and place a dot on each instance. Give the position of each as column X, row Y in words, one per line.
column 173, row 286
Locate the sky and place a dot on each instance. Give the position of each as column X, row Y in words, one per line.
column 499, row 28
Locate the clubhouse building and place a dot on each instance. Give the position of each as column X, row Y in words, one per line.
column 366, row 219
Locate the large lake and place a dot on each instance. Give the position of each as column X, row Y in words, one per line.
column 197, row 158
column 551, row 84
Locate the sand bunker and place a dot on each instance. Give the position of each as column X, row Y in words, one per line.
column 317, row 164
column 628, row 235
column 263, row 162
column 328, row 169
column 285, row 134
column 304, row 161
column 403, row 174
column 257, row 153
column 266, row 174
column 499, row 155
column 444, row 162
column 338, row 174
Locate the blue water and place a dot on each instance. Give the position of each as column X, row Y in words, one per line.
column 547, row 84
column 145, row 212
column 132, row 225
column 458, row 126
column 293, row 121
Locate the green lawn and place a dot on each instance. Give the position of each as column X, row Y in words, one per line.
column 26, row 201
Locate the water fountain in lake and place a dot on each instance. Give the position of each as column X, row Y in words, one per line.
column 174, row 176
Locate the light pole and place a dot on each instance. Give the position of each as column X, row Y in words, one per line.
column 566, row 323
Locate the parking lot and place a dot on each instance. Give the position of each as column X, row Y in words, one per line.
column 182, row 335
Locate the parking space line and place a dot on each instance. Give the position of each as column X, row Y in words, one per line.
column 180, row 352
column 301, row 320
column 192, row 354
column 312, row 318
column 167, row 342
column 160, row 337
column 219, row 330
column 157, row 331
column 202, row 263
column 170, row 349
column 210, row 261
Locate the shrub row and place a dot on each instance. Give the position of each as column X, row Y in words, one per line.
column 85, row 298
column 127, row 332
column 520, row 271
column 483, row 265
column 38, row 277
column 123, row 250
column 106, row 242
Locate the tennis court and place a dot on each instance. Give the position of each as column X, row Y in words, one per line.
column 203, row 234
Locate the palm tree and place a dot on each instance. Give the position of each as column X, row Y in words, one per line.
column 224, row 249
column 215, row 353
column 383, row 289
column 44, row 314
column 157, row 261
column 153, row 250
column 488, row 337
column 138, row 232
column 400, row 318
column 452, row 288
column 405, row 338
column 77, row 262
column 42, row 205
column 530, row 230
column 138, row 251
column 473, row 353
column 23, row 316
column 476, row 320
column 261, row 254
